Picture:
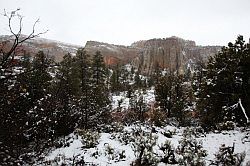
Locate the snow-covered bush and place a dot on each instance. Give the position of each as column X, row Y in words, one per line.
column 114, row 154
column 109, row 151
column 172, row 121
column 89, row 138
column 169, row 154
column 65, row 141
column 61, row 159
column 143, row 149
column 113, row 127
column 199, row 132
column 228, row 125
column 227, row 157
column 158, row 118
column 168, row 133
column 194, row 131
column 124, row 137
column 246, row 138
column 190, row 150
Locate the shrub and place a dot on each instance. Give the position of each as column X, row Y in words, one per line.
column 143, row 149
column 111, row 128
column 114, row 154
column 169, row 133
column 89, row 138
column 158, row 117
column 190, row 150
column 169, row 155
column 227, row 157
column 228, row 125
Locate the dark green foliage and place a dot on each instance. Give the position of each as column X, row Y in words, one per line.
column 226, row 81
column 65, row 91
column 115, row 82
column 83, row 70
column 38, row 106
column 100, row 94
column 138, row 106
column 138, row 81
column 93, row 98
column 227, row 157
column 143, row 148
column 25, row 109
column 173, row 97
column 169, row 154
column 164, row 94
column 190, row 150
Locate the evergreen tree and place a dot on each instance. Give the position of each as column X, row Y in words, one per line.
column 172, row 96
column 164, row 96
column 66, row 91
column 179, row 100
column 39, row 97
column 14, row 108
column 86, row 91
column 100, row 94
column 224, row 86
column 39, row 78
column 138, row 81
column 115, row 79
column 141, row 107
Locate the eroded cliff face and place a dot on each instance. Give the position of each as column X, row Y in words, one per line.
column 113, row 54
column 172, row 54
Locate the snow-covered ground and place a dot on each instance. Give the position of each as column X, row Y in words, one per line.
column 111, row 149
column 108, row 141
column 148, row 97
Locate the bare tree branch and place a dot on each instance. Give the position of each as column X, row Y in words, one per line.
column 17, row 36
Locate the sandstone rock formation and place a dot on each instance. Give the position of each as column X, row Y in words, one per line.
column 173, row 54
column 113, row 54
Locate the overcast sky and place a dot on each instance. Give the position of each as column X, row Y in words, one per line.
column 208, row 22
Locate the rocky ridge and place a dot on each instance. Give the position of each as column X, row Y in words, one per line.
column 173, row 53
column 52, row 48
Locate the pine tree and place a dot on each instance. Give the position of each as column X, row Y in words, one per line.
column 83, row 66
column 223, row 85
column 14, row 108
column 172, row 96
column 179, row 100
column 100, row 94
column 138, row 81
column 40, row 78
column 115, row 79
column 141, row 107
column 39, row 95
column 66, row 91
column 164, row 96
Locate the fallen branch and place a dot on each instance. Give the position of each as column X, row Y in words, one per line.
column 243, row 110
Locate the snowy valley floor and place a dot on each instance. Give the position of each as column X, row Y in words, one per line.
column 111, row 146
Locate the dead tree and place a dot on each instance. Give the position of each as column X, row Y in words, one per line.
column 7, row 56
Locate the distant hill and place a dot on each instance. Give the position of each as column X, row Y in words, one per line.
column 172, row 53
column 52, row 48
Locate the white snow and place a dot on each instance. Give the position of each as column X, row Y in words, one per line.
column 100, row 156
column 148, row 96
column 211, row 143
column 73, row 150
